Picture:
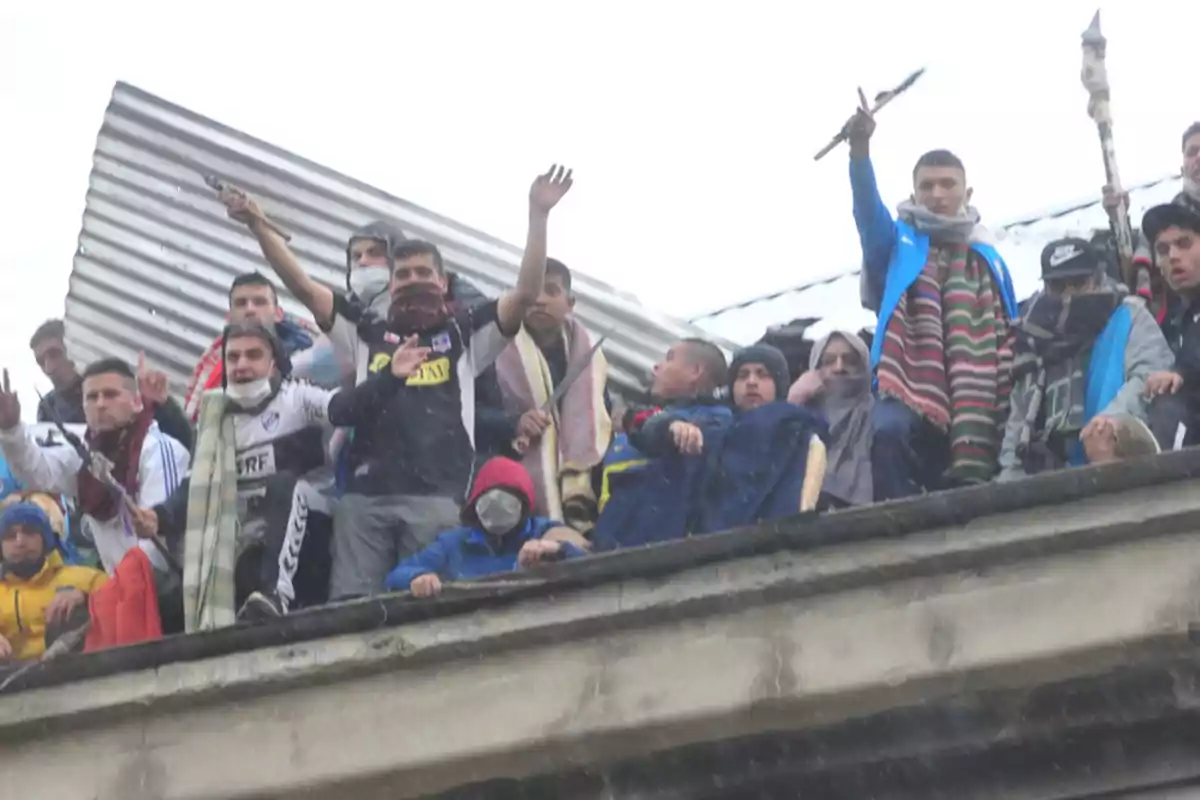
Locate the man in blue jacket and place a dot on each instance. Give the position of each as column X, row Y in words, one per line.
column 758, row 463
column 1084, row 351
column 655, row 471
column 941, row 346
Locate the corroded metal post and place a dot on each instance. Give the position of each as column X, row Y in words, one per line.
column 1095, row 80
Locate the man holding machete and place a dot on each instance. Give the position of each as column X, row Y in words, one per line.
column 553, row 381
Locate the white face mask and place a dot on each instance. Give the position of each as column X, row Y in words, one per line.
column 499, row 511
column 249, row 395
column 371, row 285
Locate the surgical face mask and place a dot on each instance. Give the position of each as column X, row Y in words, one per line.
column 249, row 395
column 499, row 511
column 371, row 284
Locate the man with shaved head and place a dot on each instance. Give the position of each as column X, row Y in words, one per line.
column 654, row 470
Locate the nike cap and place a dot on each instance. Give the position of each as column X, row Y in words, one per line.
column 1069, row 258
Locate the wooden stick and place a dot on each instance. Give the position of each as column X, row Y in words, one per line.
column 881, row 100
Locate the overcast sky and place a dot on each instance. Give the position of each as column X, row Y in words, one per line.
column 691, row 127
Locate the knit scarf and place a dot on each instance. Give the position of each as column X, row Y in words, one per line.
column 947, row 350
column 124, row 449
column 1053, row 342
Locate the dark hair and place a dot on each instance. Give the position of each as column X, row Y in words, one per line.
column 559, row 269
column 50, row 329
column 939, row 158
column 1191, row 131
column 253, row 279
column 418, row 247
column 264, row 333
column 110, row 366
column 712, row 361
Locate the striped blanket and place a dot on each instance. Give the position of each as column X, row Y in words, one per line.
column 948, row 356
column 561, row 462
column 210, row 543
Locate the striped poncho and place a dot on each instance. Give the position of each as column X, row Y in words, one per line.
column 947, row 356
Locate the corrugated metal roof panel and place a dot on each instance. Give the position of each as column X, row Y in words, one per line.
column 157, row 253
column 835, row 300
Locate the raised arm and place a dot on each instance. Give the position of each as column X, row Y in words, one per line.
column 545, row 193
column 45, row 469
column 316, row 297
column 876, row 229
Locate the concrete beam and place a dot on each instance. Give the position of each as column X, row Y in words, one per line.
column 787, row 641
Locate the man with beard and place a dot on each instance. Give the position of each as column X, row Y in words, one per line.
column 940, row 350
column 837, row 385
column 1084, row 350
column 39, row 595
column 147, row 463
column 410, row 465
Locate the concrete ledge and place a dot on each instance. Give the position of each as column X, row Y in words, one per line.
column 802, row 533
column 786, row 641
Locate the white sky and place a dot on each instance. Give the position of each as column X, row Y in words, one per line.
column 691, row 127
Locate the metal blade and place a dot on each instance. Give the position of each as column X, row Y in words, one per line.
column 573, row 374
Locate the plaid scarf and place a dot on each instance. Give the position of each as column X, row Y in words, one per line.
column 947, row 355
column 210, row 543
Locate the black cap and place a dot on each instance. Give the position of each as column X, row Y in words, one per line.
column 1159, row 218
column 1069, row 258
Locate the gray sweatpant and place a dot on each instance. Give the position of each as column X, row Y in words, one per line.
column 372, row 533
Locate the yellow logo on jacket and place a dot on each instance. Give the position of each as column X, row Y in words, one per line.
column 380, row 361
column 431, row 373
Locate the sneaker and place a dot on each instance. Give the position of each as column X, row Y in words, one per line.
column 261, row 607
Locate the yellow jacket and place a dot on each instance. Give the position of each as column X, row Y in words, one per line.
column 23, row 602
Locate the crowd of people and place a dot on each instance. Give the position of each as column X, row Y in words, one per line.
column 413, row 433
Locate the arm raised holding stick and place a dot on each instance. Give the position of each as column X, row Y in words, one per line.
column 881, row 100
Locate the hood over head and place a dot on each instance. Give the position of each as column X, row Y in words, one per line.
column 502, row 473
column 380, row 230
column 32, row 515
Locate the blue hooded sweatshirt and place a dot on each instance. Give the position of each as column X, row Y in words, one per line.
column 469, row 552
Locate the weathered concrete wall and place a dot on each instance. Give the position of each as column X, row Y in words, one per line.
column 781, row 642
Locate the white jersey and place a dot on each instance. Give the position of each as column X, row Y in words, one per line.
column 286, row 436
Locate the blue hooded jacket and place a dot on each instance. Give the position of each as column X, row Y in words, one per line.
column 468, row 552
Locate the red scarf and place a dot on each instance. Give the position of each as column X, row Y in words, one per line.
column 124, row 449
column 207, row 375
